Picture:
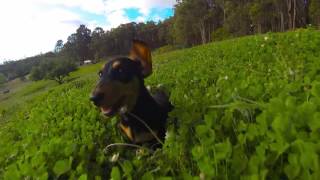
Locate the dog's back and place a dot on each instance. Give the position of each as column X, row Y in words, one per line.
column 162, row 99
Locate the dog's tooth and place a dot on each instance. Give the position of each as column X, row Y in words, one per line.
column 106, row 110
column 123, row 109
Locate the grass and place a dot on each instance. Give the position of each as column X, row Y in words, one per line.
column 22, row 92
column 246, row 108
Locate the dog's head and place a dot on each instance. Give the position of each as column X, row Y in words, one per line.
column 121, row 78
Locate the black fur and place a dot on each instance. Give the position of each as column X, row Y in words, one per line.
column 129, row 69
column 153, row 110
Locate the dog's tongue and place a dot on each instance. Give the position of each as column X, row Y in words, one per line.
column 106, row 110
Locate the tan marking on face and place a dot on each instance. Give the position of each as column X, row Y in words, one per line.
column 127, row 131
column 116, row 64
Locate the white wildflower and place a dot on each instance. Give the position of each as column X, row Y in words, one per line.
column 159, row 85
column 266, row 38
column 226, row 77
column 262, row 45
column 168, row 134
column 114, row 157
column 202, row 176
column 123, row 109
column 291, row 72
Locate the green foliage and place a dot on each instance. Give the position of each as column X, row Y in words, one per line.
column 37, row 73
column 244, row 109
column 54, row 70
column 58, row 47
column 314, row 12
column 3, row 79
column 194, row 20
column 221, row 34
column 20, row 68
column 60, row 70
column 61, row 167
column 164, row 49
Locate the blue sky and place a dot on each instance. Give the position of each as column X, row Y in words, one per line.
column 31, row 27
column 155, row 14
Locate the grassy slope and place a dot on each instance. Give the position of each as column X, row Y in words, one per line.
column 21, row 92
column 244, row 107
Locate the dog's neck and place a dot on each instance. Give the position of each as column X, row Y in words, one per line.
column 147, row 109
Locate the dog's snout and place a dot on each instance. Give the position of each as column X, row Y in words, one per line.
column 97, row 98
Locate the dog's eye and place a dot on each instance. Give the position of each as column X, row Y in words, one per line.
column 118, row 70
column 100, row 73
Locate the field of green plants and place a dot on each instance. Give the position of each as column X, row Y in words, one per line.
column 246, row 108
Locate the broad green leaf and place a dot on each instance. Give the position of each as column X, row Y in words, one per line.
column 223, row 150
column 83, row 177
column 12, row 173
column 115, row 174
column 315, row 89
column 147, row 176
column 61, row 167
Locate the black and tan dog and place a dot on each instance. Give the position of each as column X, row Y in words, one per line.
column 121, row 90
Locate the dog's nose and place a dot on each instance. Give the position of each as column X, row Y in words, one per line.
column 96, row 99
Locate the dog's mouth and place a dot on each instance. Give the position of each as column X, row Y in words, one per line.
column 113, row 109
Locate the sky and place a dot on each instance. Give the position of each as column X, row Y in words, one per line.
column 31, row 27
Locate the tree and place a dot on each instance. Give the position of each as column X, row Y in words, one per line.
column 3, row 79
column 164, row 32
column 58, row 47
column 314, row 12
column 262, row 15
column 69, row 48
column 40, row 72
column 82, row 41
column 195, row 20
column 36, row 74
column 60, row 70
column 77, row 47
column 54, row 69
column 97, row 43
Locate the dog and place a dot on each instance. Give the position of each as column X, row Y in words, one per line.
column 121, row 90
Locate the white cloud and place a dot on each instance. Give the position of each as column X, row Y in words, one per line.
column 29, row 27
column 92, row 6
column 141, row 19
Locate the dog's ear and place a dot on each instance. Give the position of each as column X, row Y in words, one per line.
column 140, row 51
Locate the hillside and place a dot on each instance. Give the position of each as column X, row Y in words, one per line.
column 246, row 107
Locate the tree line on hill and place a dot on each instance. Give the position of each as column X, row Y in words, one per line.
column 202, row 21
column 194, row 22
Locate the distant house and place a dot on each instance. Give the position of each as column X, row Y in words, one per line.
column 87, row 62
